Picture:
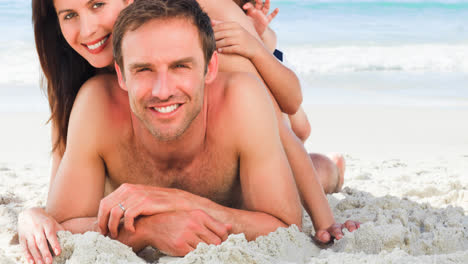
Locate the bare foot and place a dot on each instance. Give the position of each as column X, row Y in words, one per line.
column 340, row 163
column 330, row 171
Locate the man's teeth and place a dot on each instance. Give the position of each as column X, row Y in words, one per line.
column 97, row 45
column 166, row 109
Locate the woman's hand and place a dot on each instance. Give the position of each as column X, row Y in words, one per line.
column 37, row 229
column 259, row 15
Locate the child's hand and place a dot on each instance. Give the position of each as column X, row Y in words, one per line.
column 232, row 38
column 259, row 14
column 335, row 231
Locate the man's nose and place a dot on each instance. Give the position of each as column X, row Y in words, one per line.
column 161, row 88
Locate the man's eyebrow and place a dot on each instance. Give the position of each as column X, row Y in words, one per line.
column 90, row 2
column 139, row 65
column 184, row 60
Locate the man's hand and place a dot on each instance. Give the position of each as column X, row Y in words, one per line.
column 232, row 38
column 259, row 14
column 130, row 201
column 335, row 231
column 179, row 232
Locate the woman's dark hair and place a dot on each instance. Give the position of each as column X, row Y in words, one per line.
column 64, row 69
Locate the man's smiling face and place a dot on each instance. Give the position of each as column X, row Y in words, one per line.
column 164, row 74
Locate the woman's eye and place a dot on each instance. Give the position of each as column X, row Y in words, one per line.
column 97, row 5
column 69, row 16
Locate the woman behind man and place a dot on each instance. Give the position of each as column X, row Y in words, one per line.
column 79, row 47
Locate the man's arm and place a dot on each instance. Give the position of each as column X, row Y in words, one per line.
column 269, row 195
column 79, row 183
column 266, row 178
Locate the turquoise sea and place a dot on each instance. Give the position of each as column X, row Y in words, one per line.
column 395, row 52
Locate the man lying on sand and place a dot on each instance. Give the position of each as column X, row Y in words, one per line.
column 196, row 153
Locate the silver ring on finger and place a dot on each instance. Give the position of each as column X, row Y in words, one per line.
column 121, row 206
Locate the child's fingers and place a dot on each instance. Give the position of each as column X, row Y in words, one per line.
column 225, row 42
column 215, row 22
column 266, row 7
column 248, row 6
column 219, row 35
column 258, row 4
column 225, row 26
column 273, row 15
column 234, row 49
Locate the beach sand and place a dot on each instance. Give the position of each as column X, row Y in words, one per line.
column 406, row 181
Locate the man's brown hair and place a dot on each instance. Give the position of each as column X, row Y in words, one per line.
column 143, row 11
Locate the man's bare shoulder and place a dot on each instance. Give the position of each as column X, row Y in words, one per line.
column 242, row 89
column 242, row 101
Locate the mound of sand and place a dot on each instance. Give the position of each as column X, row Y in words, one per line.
column 92, row 247
column 393, row 230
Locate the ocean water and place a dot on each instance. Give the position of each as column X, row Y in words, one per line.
column 345, row 52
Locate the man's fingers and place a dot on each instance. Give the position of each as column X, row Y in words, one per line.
column 114, row 220
column 44, row 248
column 193, row 243
column 129, row 219
column 218, row 228
column 103, row 217
column 34, row 251
column 209, row 237
column 52, row 238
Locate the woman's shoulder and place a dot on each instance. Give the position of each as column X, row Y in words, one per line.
column 102, row 87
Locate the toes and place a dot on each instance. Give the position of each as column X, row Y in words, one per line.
column 340, row 163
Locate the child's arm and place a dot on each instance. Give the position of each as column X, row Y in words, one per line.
column 260, row 17
column 231, row 38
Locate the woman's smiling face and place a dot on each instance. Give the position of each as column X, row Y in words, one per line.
column 87, row 27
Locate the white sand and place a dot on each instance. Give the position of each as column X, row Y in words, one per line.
column 407, row 181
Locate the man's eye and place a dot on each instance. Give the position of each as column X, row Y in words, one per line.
column 69, row 16
column 142, row 70
column 181, row 66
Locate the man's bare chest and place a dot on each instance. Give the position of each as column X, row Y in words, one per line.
column 213, row 174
